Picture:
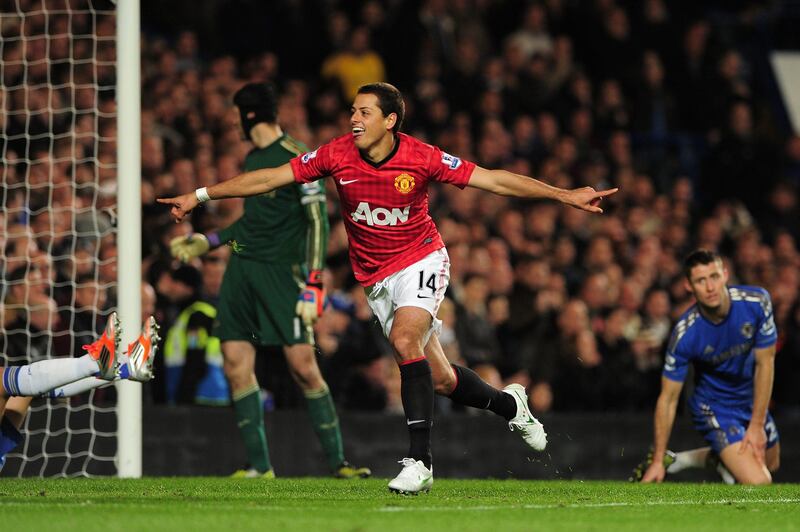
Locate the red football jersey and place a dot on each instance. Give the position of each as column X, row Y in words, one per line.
column 385, row 205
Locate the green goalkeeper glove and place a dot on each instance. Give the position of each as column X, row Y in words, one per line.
column 185, row 248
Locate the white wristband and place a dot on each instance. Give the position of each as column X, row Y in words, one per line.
column 202, row 194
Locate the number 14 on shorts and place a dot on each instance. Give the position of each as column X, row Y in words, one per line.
column 426, row 282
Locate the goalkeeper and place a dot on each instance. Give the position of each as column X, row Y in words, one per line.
column 272, row 290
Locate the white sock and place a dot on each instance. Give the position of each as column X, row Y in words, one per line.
column 40, row 377
column 77, row 387
column 727, row 476
column 694, row 459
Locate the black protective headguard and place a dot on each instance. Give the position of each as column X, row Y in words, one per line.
column 257, row 102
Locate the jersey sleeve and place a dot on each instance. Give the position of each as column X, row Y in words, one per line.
column 312, row 197
column 313, row 165
column 447, row 168
column 676, row 362
column 767, row 333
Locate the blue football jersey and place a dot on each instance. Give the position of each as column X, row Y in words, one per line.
column 722, row 354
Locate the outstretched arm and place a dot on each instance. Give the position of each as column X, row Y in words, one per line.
column 252, row 183
column 507, row 184
column 662, row 427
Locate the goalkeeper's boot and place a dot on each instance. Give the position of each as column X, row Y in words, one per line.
column 524, row 423
column 104, row 349
column 348, row 470
column 414, row 477
column 142, row 352
column 254, row 473
column 638, row 472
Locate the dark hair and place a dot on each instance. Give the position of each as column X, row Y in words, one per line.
column 257, row 102
column 698, row 256
column 390, row 100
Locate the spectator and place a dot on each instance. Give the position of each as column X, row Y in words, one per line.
column 651, row 97
column 355, row 66
column 192, row 355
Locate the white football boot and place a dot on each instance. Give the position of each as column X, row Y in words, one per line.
column 524, row 423
column 414, row 477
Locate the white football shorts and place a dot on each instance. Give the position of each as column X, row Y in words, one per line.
column 422, row 285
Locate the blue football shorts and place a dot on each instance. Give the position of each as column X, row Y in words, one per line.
column 9, row 439
column 723, row 425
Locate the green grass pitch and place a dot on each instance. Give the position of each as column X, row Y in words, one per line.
column 313, row 504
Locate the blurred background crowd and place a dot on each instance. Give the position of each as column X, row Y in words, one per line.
column 673, row 102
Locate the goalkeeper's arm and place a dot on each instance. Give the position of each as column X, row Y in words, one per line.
column 311, row 300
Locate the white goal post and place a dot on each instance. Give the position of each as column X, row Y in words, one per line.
column 70, row 220
column 129, row 237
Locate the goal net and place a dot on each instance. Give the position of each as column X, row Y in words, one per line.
column 58, row 142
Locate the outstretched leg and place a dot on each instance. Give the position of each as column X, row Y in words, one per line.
column 465, row 387
column 136, row 364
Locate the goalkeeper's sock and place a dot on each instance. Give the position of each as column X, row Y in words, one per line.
column 471, row 390
column 40, row 377
column 326, row 424
column 78, row 387
column 416, row 391
column 693, row 459
column 250, row 419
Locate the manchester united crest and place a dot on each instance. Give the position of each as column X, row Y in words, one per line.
column 404, row 183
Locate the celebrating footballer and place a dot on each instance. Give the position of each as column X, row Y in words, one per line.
column 397, row 254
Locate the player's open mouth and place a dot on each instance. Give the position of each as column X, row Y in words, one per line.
column 358, row 131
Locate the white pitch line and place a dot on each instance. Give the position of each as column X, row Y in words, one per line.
column 205, row 504
column 583, row 505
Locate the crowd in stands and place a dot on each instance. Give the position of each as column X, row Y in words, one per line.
column 668, row 103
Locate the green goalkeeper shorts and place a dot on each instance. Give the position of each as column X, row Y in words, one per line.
column 257, row 302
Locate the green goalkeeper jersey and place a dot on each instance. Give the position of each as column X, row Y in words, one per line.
column 286, row 226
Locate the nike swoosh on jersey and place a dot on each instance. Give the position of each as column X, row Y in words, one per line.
column 424, row 297
column 414, row 422
column 343, row 182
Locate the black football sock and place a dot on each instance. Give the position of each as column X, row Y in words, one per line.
column 473, row 391
column 416, row 390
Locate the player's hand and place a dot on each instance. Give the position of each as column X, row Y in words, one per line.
column 181, row 205
column 587, row 198
column 655, row 473
column 311, row 299
column 755, row 439
column 186, row 248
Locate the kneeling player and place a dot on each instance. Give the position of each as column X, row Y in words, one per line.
column 65, row 377
column 729, row 336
